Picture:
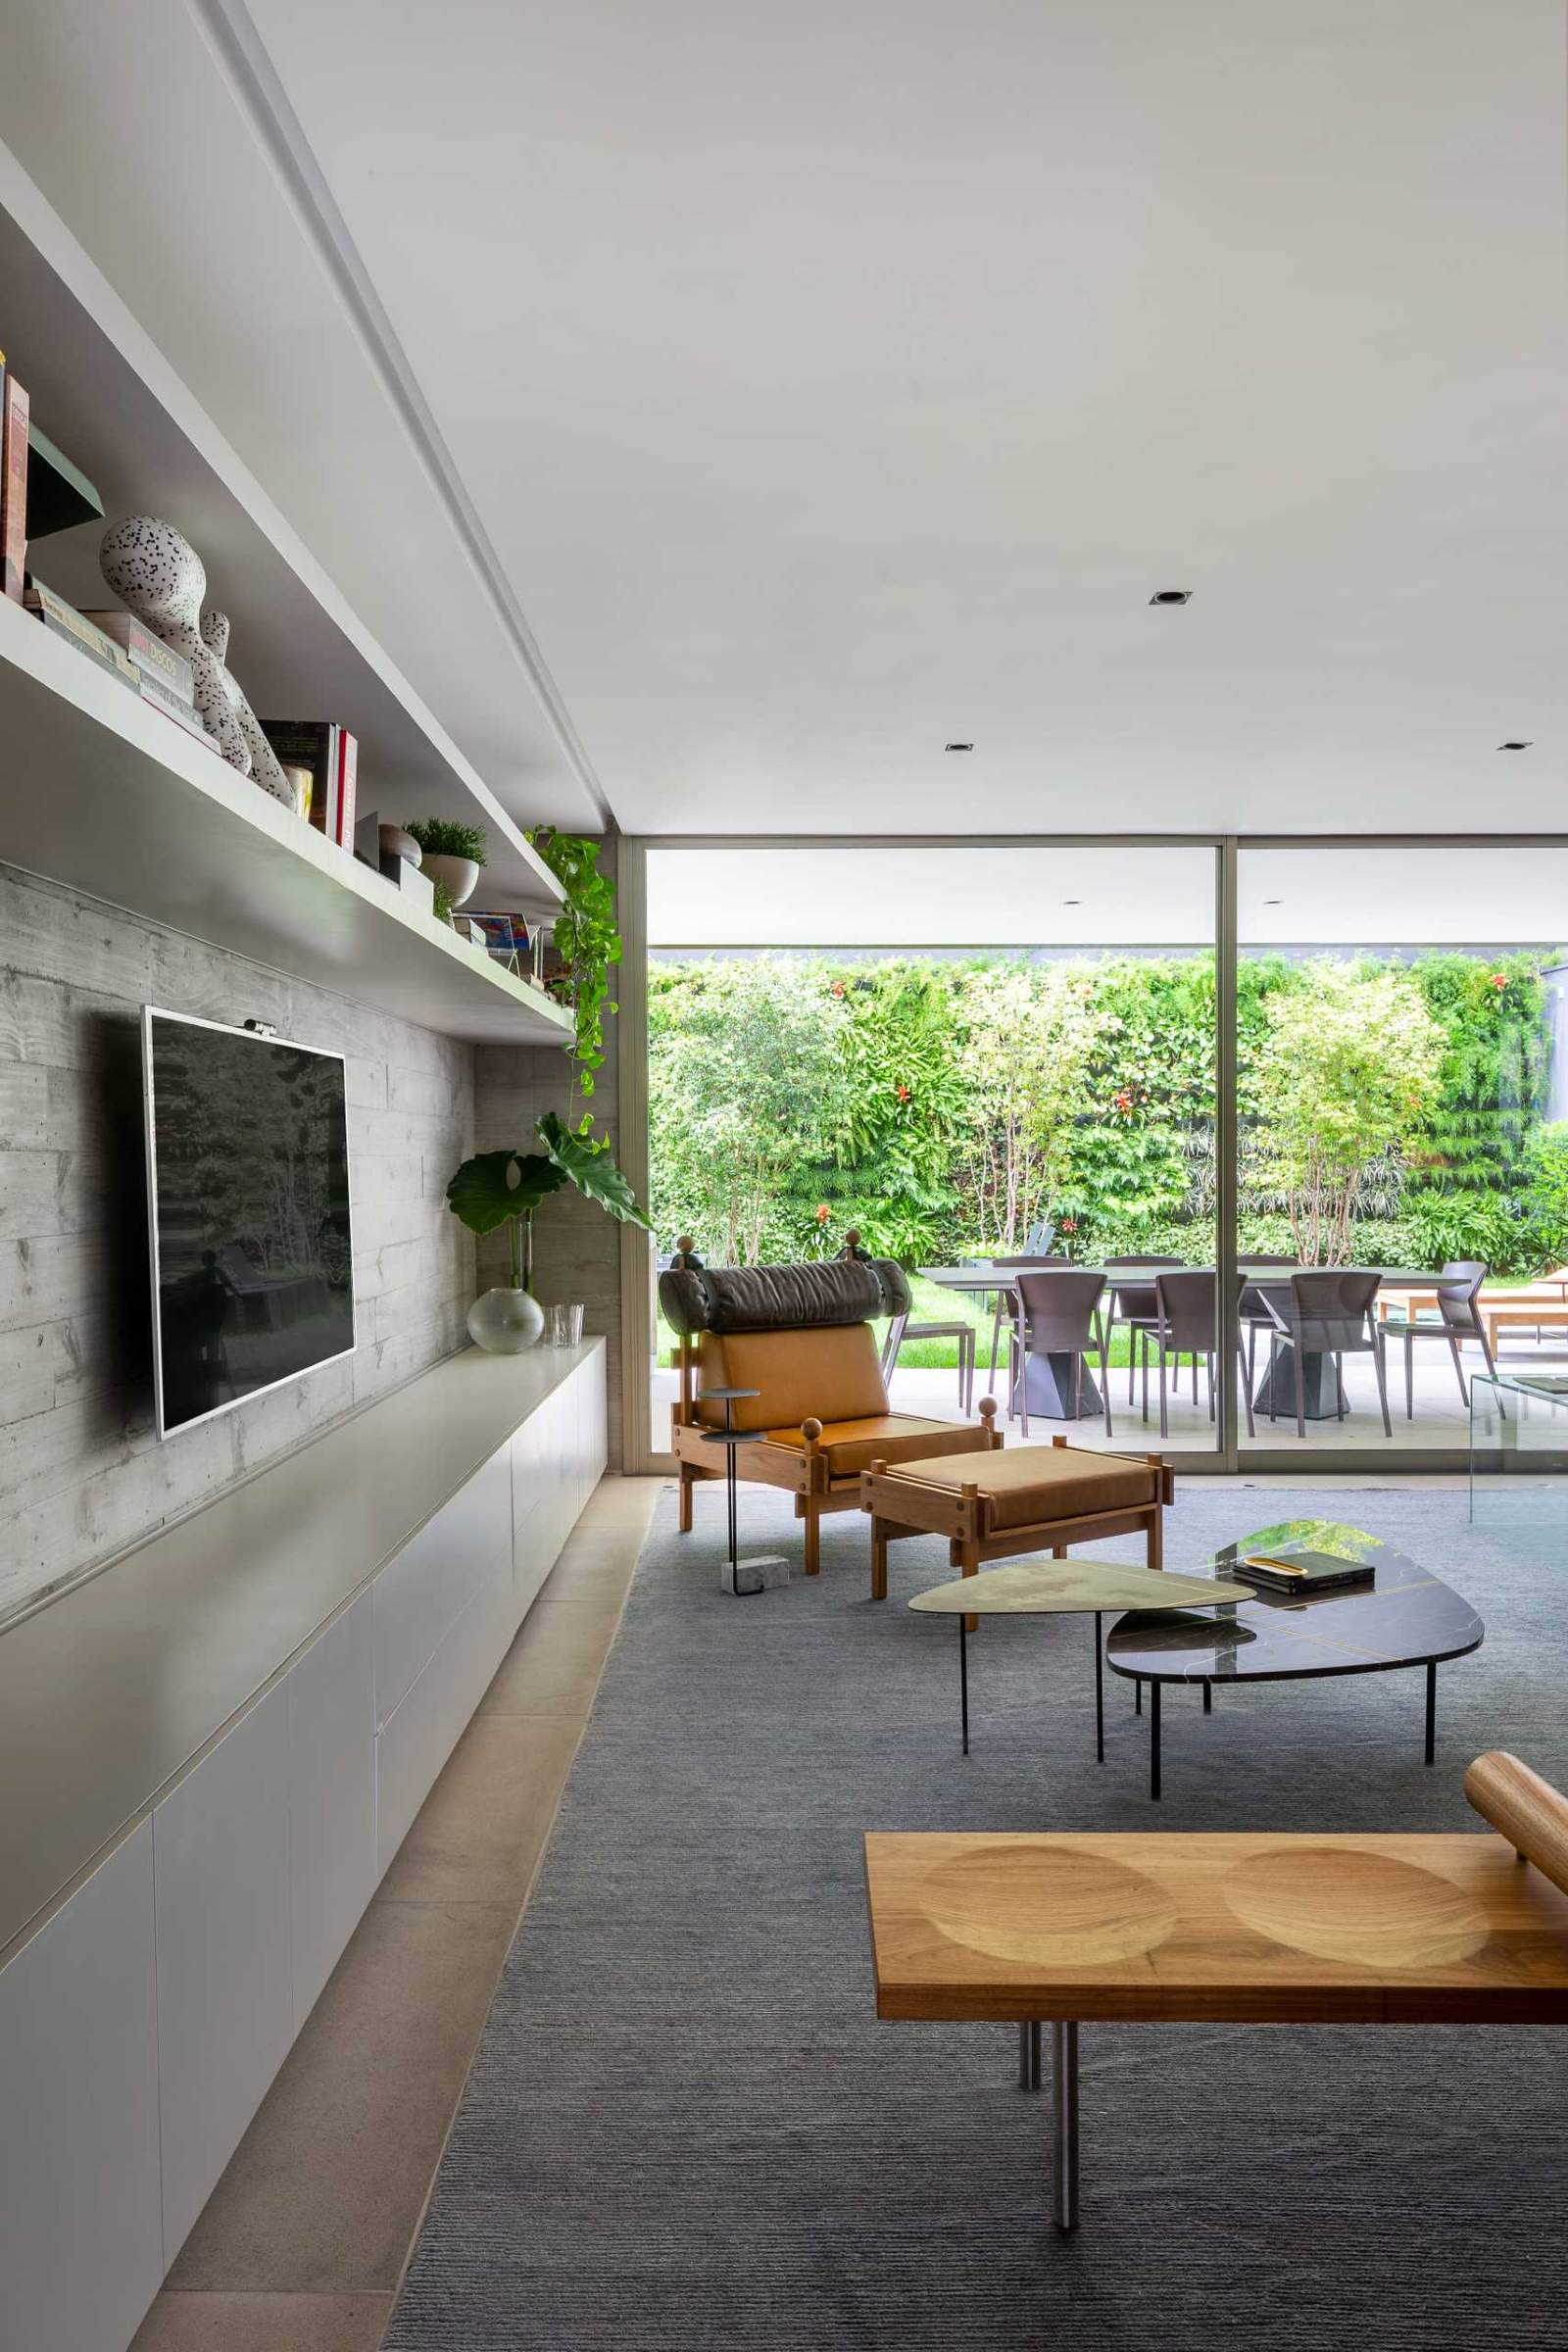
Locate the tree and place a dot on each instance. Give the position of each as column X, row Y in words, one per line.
column 747, row 1080
column 1031, row 1036
column 1347, row 1076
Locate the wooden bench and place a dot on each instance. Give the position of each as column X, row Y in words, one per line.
column 1245, row 1930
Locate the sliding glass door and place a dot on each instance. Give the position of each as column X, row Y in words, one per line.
column 968, row 1056
column 1402, row 1138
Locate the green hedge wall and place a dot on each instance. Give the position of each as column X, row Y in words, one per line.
column 891, row 1149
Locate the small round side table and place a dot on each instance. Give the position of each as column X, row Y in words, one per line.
column 730, row 1437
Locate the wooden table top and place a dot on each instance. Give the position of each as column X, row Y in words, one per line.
column 1051, row 1588
column 1245, row 1929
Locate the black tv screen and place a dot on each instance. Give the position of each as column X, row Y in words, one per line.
column 248, row 1197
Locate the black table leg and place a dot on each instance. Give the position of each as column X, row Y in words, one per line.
column 1432, row 1710
column 1154, row 1741
column 1138, row 1696
column 963, row 1682
column 1099, row 1696
column 1208, row 1699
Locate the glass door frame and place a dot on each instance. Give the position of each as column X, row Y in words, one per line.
column 1226, row 1457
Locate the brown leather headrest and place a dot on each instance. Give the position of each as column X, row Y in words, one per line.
column 820, row 1292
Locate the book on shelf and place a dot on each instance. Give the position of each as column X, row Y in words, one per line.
column 311, row 743
column 65, row 621
column 161, row 698
column 505, row 935
column 12, row 487
column 149, row 653
column 348, row 767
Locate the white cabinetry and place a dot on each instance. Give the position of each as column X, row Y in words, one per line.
column 331, row 1796
column 143, row 2022
column 226, row 1999
column 82, row 2250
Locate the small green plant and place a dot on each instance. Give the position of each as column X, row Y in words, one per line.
column 442, row 908
column 445, row 837
column 587, row 942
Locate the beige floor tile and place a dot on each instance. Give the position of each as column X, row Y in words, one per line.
column 207, row 2323
column 556, row 1661
column 326, row 2191
column 482, row 1828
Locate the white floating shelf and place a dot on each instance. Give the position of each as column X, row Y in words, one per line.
column 105, row 394
column 102, row 792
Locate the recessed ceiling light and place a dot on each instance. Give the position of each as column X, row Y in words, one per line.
column 1273, row 902
column 958, row 747
column 1072, row 901
column 1171, row 596
column 1515, row 745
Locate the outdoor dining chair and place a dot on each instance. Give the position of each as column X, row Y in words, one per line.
column 1458, row 1288
column 1185, row 1324
column 1003, row 1300
column 1135, row 1306
column 1254, row 1311
column 1058, row 1314
column 1330, row 1312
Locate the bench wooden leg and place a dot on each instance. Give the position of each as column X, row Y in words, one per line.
column 813, row 1538
column 683, row 1519
column 969, row 1565
column 1155, row 1553
column 879, row 1561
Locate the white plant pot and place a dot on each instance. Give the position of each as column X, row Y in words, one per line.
column 506, row 1322
column 461, row 875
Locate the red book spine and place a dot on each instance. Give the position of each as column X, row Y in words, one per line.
column 14, row 490
column 347, row 769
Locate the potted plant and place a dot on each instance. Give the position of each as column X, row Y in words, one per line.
column 498, row 1188
column 452, row 855
column 587, row 942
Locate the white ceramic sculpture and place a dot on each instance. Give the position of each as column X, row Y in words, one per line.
column 155, row 571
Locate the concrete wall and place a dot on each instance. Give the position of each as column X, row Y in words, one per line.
column 82, row 1474
column 577, row 1246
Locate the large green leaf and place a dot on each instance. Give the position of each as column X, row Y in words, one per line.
column 484, row 1194
column 590, row 1167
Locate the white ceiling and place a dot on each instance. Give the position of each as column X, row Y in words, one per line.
column 830, row 383
column 1111, row 896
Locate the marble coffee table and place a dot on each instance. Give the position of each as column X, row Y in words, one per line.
column 1406, row 1619
column 1068, row 1587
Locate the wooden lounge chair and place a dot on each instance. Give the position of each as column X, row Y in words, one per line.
column 1246, row 1930
column 799, row 1340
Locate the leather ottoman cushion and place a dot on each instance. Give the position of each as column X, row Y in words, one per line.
column 850, row 1447
column 1029, row 1484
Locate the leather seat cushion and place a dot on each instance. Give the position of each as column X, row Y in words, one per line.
column 852, row 1445
column 824, row 1374
column 1028, row 1483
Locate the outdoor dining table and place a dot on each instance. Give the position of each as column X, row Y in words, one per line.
column 1276, row 1390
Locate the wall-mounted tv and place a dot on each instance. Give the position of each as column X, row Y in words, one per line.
column 248, row 1206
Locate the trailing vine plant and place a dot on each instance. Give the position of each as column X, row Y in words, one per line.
column 588, row 944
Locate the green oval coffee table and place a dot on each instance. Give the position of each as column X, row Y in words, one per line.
column 1071, row 1587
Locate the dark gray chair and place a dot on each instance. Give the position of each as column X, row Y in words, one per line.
column 1058, row 1314
column 1136, row 1309
column 1253, row 1310
column 1458, row 1319
column 1331, row 1312
column 1004, row 1299
column 899, row 1330
column 1186, row 1324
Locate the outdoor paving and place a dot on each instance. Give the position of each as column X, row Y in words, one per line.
column 1441, row 1422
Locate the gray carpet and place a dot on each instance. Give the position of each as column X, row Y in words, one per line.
column 685, row 2126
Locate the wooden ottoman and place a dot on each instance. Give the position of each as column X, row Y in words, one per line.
column 993, row 1506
